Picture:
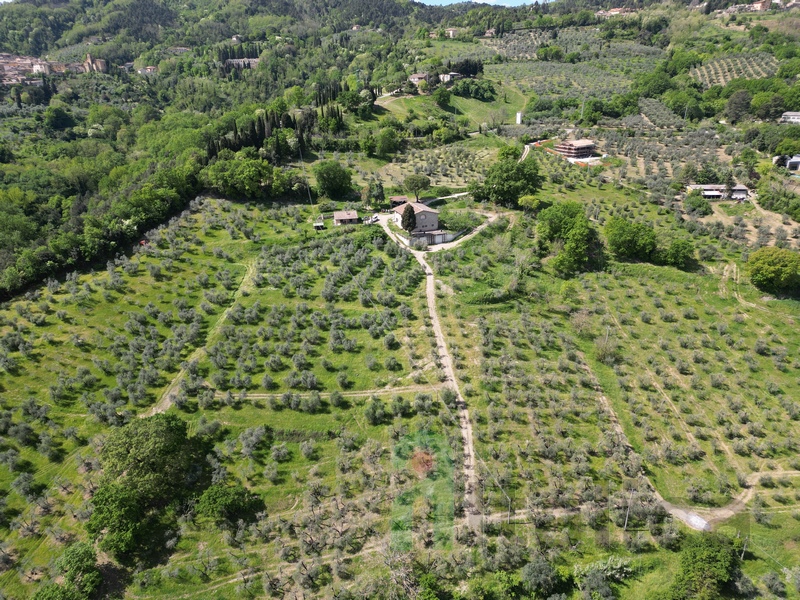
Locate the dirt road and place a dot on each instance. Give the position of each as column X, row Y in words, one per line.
column 462, row 412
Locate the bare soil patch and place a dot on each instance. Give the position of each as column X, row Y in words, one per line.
column 422, row 463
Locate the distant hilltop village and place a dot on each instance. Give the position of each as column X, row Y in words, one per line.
column 29, row 69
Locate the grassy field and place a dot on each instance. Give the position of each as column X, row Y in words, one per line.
column 737, row 209
column 192, row 322
column 473, row 113
column 701, row 380
column 310, row 361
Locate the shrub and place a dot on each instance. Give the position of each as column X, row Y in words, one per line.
column 698, row 205
column 280, row 453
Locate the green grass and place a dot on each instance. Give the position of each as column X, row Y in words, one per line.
column 94, row 317
column 699, row 309
column 737, row 209
column 502, row 109
column 697, row 372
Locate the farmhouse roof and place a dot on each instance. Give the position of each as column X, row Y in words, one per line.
column 584, row 143
column 344, row 215
column 417, row 206
column 707, row 186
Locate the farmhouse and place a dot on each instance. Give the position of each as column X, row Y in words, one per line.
column 451, row 32
column 709, row 191
column 427, row 218
column 739, row 192
column 793, row 164
column 790, row 117
column 418, row 78
column 490, row 32
column 397, row 200
column 345, row 217
column 716, row 191
column 448, row 77
column 576, row 148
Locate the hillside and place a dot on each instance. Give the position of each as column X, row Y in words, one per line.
column 381, row 300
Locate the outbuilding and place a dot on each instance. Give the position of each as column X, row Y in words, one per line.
column 397, row 201
column 345, row 217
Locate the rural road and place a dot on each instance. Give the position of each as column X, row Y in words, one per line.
column 474, row 517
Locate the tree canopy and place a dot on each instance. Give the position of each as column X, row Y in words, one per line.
column 630, row 240
column 148, row 465
column 148, row 456
column 333, row 180
column 506, row 181
column 567, row 222
column 441, row 96
column 775, row 269
column 416, row 184
column 226, row 502
column 708, row 564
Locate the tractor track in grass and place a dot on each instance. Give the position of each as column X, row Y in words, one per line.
column 166, row 399
column 406, row 389
column 695, row 517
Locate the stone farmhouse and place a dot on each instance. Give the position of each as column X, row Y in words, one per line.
column 427, row 218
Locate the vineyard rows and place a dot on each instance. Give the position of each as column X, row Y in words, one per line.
column 549, row 79
column 659, row 114
column 720, row 71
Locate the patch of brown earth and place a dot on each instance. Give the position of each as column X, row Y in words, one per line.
column 422, row 463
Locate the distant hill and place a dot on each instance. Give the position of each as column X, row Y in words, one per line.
column 34, row 28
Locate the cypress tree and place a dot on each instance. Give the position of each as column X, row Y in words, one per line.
column 409, row 219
